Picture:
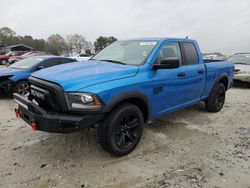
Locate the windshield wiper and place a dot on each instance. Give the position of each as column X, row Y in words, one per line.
column 113, row 61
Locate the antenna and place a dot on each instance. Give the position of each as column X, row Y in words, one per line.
column 186, row 37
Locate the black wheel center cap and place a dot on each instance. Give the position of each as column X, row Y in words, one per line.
column 124, row 128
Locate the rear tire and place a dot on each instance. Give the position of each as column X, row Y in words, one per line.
column 22, row 88
column 216, row 101
column 3, row 62
column 121, row 130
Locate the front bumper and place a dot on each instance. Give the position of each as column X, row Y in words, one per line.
column 53, row 122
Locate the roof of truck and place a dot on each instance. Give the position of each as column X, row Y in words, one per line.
column 155, row 39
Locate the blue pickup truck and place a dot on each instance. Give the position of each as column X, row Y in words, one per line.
column 122, row 87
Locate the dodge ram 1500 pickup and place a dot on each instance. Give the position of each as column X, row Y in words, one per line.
column 122, row 87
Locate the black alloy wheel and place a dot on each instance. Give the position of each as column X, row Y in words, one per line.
column 121, row 130
column 220, row 99
column 22, row 88
column 128, row 131
column 217, row 98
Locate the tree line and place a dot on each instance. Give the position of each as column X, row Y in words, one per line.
column 55, row 43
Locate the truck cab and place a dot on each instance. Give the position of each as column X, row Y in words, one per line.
column 122, row 87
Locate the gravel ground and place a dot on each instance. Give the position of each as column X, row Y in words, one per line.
column 188, row 148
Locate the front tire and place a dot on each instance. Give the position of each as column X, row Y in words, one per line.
column 3, row 62
column 22, row 88
column 121, row 130
column 217, row 99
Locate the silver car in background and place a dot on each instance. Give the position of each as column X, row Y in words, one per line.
column 242, row 67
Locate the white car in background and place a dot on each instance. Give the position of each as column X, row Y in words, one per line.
column 242, row 67
column 82, row 57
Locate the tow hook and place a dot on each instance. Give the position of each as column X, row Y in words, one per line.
column 34, row 126
column 17, row 111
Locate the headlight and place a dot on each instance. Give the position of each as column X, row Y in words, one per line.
column 83, row 101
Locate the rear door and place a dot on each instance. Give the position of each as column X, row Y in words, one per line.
column 195, row 73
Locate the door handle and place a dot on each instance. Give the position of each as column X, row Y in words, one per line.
column 201, row 71
column 181, row 74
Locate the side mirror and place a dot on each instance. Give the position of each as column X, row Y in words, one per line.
column 41, row 67
column 167, row 63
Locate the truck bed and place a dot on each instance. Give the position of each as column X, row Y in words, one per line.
column 215, row 69
column 212, row 60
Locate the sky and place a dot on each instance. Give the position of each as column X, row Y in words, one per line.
column 217, row 25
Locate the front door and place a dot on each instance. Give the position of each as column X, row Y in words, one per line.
column 174, row 88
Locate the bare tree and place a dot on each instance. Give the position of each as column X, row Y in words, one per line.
column 76, row 43
column 69, row 45
column 5, row 31
column 7, row 36
column 56, row 44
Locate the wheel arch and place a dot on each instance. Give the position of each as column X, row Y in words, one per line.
column 136, row 98
column 223, row 78
column 15, row 82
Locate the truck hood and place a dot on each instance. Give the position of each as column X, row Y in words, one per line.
column 75, row 76
column 7, row 71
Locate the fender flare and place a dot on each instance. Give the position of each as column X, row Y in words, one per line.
column 125, row 96
column 222, row 76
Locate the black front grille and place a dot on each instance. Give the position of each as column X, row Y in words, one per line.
column 48, row 95
column 45, row 97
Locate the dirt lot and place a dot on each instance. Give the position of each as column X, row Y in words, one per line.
column 189, row 148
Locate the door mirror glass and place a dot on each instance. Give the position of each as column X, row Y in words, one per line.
column 41, row 67
column 168, row 57
column 167, row 63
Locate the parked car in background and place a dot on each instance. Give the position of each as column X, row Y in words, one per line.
column 123, row 86
column 82, row 57
column 26, row 55
column 4, row 59
column 215, row 57
column 15, row 77
column 242, row 67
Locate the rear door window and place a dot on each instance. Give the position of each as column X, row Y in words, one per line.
column 63, row 61
column 51, row 62
column 190, row 53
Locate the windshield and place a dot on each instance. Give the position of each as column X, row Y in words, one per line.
column 241, row 59
column 126, row 52
column 26, row 63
